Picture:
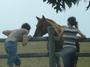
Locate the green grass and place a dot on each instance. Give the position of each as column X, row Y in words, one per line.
column 43, row 61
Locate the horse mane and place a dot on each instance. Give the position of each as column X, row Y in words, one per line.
column 56, row 26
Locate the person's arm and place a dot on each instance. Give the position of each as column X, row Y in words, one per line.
column 6, row 32
column 81, row 34
column 25, row 40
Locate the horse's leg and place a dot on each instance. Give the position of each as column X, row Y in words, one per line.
column 76, row 60
column 58, row 48
column 57, row 60
column 78, row 50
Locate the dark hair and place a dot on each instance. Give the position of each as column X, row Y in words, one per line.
column 26, row 26
column 72, row 21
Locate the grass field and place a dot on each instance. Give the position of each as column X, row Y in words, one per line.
column 43, row 61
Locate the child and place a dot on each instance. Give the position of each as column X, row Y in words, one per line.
column 69, row 35
column 13, row 36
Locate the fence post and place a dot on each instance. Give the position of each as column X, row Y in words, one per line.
column 51, row 46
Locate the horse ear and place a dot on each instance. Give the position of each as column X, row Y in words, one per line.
column 43, row 17
column 37, row 18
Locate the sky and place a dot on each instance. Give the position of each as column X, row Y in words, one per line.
column 13, row 13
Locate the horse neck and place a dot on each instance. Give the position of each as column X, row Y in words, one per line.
column 56, row 26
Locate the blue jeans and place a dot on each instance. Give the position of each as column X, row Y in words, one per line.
column 69, row 56
column 11, row 50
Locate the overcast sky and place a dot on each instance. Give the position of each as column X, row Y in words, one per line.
column 13, row 13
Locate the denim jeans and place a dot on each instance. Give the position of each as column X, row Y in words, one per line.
column 11, row 50
column 69, row 56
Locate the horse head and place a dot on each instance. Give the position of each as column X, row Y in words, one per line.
column 41, row 27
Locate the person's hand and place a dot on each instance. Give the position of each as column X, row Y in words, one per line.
column 29, row 37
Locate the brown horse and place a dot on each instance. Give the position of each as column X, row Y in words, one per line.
column 42, row 25
column 41, row 29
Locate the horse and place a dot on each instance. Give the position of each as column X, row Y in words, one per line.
column 41, row 29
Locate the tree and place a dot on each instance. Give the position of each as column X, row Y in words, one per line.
column 60, row 5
